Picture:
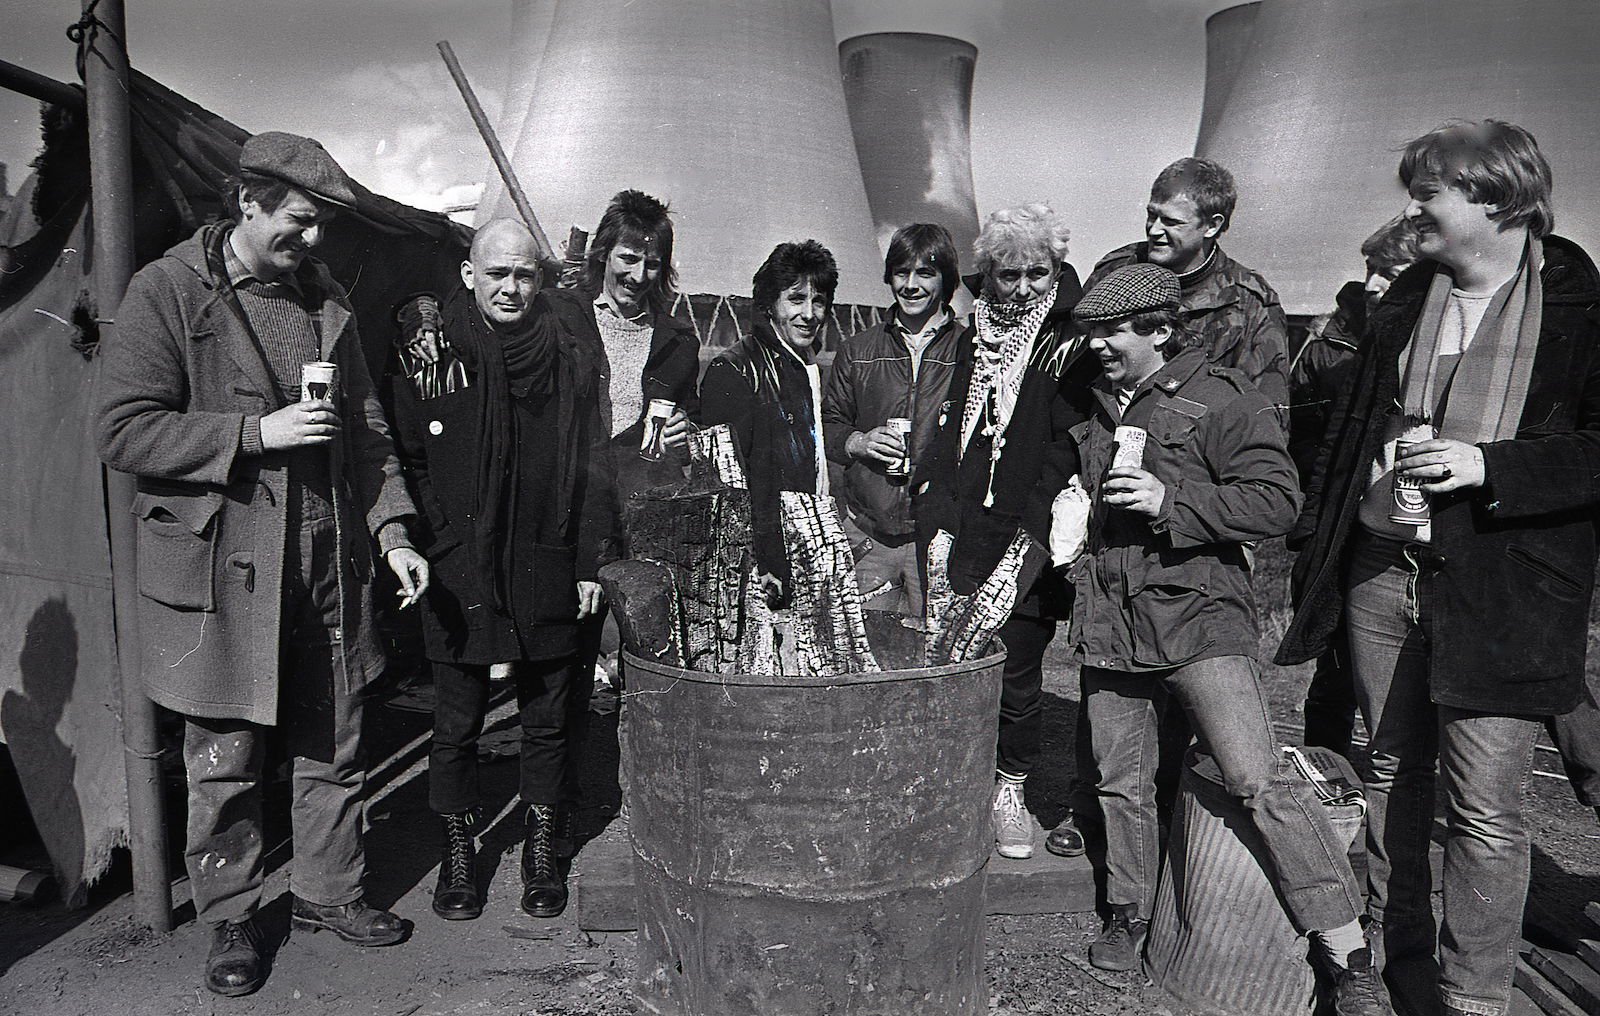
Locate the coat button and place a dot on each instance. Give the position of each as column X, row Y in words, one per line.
column 435, row 428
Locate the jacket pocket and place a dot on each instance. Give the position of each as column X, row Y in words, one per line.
column 1170, row 428
column 1549, row 577
column 177, row 548
column 1170, row 608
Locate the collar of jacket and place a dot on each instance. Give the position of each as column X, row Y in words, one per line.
column 1569, row 278
column 1169, row 379
column 1222, row 285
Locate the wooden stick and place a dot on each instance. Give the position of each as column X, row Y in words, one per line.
column 497, row 153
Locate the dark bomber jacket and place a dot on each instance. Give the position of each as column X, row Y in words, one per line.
column 1163, row 592
column 870, row 381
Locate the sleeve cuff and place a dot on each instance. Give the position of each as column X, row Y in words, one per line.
column 392, row 535
column 250, row 437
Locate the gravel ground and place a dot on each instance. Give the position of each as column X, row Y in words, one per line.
column 56, row 963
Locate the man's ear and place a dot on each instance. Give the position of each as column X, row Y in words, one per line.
column 1214, row 229
column 1160, row 336
column 466, row 274
column 246, row 198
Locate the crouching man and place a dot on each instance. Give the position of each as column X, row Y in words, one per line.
column 1163, row 604
column 256, row 513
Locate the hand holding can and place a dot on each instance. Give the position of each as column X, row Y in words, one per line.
column 652, row 444
column 900, row 471
column 318, row 381
column 1128, row 448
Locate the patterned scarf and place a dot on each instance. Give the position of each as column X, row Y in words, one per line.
column 1003, row 335
column 1486, row 393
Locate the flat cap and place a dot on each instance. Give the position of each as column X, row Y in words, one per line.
column 1131, row 289
column 299, row 162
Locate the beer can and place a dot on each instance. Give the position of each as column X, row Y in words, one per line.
column 1410, row 507
column 318, row 380
column 1128, row 450
column 900, row 472
column 653, row 443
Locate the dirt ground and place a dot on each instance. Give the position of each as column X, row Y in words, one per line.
column 96, row 960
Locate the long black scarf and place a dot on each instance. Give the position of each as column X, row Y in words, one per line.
column 517, row 365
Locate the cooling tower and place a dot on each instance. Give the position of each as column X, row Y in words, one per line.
column 732, row 110
column 1331, row 90
column 1227, row 41
column 530, row 27
column 910, row 100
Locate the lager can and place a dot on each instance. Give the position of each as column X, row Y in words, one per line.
column 900, row 471
column 652, row 444
column 318, row 380
column 1410, row 507
column 1128, row 450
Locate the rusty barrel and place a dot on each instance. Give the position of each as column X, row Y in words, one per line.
column 1220, row 939
column 812, row 845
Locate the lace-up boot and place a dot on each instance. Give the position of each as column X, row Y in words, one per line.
column 544, row 890
column 456, row 897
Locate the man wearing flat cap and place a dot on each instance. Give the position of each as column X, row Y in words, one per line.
column 261, row 517
column 1185, row 462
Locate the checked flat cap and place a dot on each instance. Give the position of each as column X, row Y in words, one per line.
column 1129, row 290
column 299, row 162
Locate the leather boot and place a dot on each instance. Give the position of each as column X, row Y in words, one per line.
column 565, row 841
column 544, row 890
column 455, row 897
column 354, row 922
column 234, row 965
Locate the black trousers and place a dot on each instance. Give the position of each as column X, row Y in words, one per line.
column 547, row 693
column 1021, row 698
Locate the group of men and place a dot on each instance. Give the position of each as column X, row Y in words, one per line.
column 516, row 416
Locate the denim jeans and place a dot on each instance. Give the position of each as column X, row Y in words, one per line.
column 1222, row 699
column 1577, row 735
column 1486, row 763
column 547, row 757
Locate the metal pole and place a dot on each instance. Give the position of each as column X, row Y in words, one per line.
column 105, row 74
column 498, row 154
column 26, row 82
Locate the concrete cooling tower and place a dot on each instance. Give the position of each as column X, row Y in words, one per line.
column 530, row 28
column 731, row 110
column 1228, row 34
column 1330, row 91
column 910, row 99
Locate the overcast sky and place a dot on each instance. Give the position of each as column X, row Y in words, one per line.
column 1077, row 101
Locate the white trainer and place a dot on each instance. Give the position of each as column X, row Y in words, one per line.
column 1013, row 827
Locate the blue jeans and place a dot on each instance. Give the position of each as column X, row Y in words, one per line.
column 1486, row 762
column 1222, row 698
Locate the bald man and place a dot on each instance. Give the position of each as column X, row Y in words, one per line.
column 508, row 471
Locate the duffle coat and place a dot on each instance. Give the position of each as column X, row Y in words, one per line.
column 1511, row 565
column 179, row 378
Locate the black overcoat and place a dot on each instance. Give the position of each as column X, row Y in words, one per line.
column 1511, row 564
column 440, row 446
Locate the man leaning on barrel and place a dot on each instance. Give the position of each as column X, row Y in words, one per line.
column 256, row 515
